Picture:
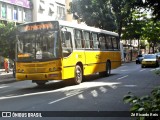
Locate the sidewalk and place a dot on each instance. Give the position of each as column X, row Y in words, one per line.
column 6, row 77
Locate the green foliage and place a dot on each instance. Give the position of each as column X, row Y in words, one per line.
column 106, row 14
column 151, row 32
column 154, row 5
column 96, row 13
column 7, row 40
column 123, row 12
column 157, row 72
column 145, row 104
column 133, row 28
column 143, row 44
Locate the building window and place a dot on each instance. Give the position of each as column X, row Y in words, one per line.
column 51, row 9
column 20, row 14
column 41, row 6
column 9, row 12
column 61, row 12
column 3, row 11
column 15, row 13
column 24, row 15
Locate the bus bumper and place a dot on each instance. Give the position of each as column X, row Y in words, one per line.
column 39, row 76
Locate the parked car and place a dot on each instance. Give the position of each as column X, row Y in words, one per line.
column 139, row 59
column 150, row 60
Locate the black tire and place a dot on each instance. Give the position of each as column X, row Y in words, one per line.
column 108, row 69
column 40, row 83
column 14, row 74
column 157, row 64
column 107, row 72
column 78, row 75
column 14, row 70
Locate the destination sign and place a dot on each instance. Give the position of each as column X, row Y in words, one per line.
column 38, row 26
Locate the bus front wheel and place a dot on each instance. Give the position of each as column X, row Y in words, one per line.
column 78, row 75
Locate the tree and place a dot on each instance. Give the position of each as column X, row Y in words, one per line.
column 151, row 32
column 143, row 44
column 154, row 5
column 7, row 40
column 133, row 29
column 96, row 13
column 122, row 10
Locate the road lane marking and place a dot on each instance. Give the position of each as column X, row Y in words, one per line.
column 64, row 98
column 124, row 70
column 122, row 77
column 82, row 86
column 3, row 86
column 130, row 85
column 142, row 70
column 152, row 69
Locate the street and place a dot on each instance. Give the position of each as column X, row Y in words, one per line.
column 94, row 94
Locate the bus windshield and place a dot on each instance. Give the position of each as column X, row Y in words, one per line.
column 38, row 46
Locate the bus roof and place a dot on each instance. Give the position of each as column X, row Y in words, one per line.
column 85, row 27
column 78, row 26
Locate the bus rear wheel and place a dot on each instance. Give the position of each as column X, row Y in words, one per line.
column 108, row 69
column 78, row 75
column 107, row 72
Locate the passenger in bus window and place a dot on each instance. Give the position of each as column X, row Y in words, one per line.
column 39, row 54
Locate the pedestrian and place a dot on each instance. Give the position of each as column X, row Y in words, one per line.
column 6, row 65
column 124, row 56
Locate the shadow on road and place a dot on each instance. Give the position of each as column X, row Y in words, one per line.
column 51, row 86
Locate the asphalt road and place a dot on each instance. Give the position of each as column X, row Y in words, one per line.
column 93, row 95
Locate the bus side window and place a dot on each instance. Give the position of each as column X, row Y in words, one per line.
column 78, row 38
column 102, row 42
column 109, row 42
column 87, row 39
column 115, row 43
column 95, row 40
column 66, row 43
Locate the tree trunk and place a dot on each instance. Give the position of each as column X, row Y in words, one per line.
column 120, row 30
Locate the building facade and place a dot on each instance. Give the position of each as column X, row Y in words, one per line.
column 21, row 11
column 49, row 10
column 18, row 11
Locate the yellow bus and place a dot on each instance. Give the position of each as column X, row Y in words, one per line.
column 61, row 50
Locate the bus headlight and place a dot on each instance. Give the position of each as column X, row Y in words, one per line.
column 54, row 69
column 50, row 69
column 20, row 71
